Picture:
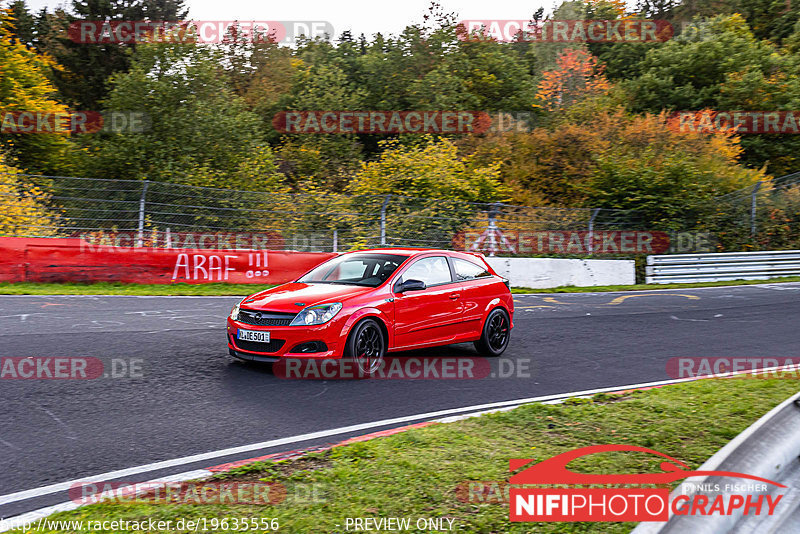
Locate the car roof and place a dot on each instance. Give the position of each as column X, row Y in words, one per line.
column 412, row 252
column 407, row 251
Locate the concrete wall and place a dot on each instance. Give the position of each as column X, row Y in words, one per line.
column 555, row 272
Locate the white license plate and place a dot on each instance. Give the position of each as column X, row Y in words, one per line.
column 253, row 335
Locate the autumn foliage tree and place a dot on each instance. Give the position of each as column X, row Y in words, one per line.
column 23, row 209
column 24, row 86
column 578, row 75
column 601, row 156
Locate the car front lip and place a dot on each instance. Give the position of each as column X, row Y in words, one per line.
column 292, row 336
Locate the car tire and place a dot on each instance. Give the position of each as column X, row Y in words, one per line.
column 366, row 346
column 496, row 333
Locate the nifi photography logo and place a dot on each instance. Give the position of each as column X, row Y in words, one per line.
column 577, row 503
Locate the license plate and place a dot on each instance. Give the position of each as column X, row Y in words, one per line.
column 258, row 336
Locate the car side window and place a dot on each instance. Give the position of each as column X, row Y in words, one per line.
column 432, row 271
column 466, row 270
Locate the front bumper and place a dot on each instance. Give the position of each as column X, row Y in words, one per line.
column 284, row 339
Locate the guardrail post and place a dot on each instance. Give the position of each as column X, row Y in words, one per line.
column 383, row 219
column 335, row 240
column 140, row 238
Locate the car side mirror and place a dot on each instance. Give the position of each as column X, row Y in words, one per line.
column 410, row 285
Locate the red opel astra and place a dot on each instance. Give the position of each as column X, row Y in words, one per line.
column 361, row 305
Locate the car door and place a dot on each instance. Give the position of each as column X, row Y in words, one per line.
column 473, row 280
column 431, row 315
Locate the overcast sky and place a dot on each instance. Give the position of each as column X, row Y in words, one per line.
column 367, row 16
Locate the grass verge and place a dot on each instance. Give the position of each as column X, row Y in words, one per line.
column 109, row 288
column 417, row 473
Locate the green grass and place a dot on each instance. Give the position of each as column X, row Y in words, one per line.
column 416, row 473
column 112, row 288
column 109, row 288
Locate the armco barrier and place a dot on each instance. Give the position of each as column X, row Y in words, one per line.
column 768, row 449
column 538, row 273
column 722, row 267
column 75, row 260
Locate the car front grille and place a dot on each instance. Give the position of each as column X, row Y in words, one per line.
column 267, row 348
column 265, row 318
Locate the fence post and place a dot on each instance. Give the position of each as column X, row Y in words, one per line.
column 140, row 239
column 753, row 196
column 383, row 219
column 492, row 229
column 335, row 240
column 595, row 212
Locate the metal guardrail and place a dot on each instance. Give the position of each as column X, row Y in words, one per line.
column 768, row 449
column 678, row 268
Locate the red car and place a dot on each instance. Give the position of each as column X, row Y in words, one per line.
column 361, row 305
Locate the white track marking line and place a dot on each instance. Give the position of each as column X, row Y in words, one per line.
column 477, row 411
column 26, row 519
column 655, row 288
column 62, row 486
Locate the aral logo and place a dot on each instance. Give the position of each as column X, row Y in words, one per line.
column 617, row 503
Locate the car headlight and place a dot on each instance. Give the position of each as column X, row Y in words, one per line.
column 235, row 310
column 319, row 314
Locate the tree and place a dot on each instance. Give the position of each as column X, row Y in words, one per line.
column 195, row 120
column 688, row 73
column 324, row 88
column 24, row 86
column 599, row 155
column 24, row 206
column 435, row 191
column 87, row 67
column 578, row 76
column 431, row 170
column 723, row 66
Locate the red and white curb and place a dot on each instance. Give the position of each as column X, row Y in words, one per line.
column 438, row 417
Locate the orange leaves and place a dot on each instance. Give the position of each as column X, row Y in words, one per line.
column 578, row 75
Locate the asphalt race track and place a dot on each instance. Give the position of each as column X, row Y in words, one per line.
column 191, row 397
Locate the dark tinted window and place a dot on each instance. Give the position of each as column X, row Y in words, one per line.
column 356, row 269
column 466, row 270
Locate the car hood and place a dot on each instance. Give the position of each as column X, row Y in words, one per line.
column 295, row 296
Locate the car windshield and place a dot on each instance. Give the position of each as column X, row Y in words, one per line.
column 369, row 270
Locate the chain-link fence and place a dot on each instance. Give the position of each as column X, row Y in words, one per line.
column 765, row 216
column 144, row 213
column 158, row 214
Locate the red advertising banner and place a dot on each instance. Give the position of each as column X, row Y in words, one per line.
column 75, row 260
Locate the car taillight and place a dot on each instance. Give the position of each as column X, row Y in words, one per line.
column 507, row 282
